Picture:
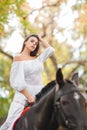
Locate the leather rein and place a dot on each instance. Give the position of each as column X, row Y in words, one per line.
column 58, row 107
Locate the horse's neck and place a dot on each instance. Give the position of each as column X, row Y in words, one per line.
column 46, row 103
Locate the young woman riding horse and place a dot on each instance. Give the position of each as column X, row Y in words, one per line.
column 60, row 103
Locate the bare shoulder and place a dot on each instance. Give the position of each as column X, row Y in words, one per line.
column 17, row 58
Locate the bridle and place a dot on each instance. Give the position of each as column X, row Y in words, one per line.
column 58, row 107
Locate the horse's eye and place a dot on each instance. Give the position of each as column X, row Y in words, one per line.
column 65, row 102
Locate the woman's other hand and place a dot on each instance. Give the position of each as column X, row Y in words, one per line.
column 31, row 100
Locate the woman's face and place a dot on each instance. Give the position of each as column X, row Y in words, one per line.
column 31, row 43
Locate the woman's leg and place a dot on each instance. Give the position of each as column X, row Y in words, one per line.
column 14, row 112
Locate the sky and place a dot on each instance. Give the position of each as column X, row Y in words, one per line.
column 14, row 43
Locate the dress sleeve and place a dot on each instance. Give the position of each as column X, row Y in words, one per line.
column 46, row 54
column 17, row 79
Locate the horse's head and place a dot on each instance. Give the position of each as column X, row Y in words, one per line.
column 69, row 103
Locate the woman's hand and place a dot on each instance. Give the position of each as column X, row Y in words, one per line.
column 44, row 42
column 40, row 38
column 31, row 100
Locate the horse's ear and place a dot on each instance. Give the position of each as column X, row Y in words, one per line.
column 75, row 78
column 59, row 77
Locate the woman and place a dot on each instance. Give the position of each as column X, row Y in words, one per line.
column 25, row 76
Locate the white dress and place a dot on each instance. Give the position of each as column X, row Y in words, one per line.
column 25, row 74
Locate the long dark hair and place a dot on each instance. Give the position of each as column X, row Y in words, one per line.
column 33, row 53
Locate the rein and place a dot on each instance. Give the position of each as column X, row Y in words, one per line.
column 57, row 105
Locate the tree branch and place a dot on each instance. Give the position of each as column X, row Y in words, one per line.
column 6, row 54
column 80, row 62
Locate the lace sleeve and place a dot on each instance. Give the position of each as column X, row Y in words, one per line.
column 17, row 79
column 46, row 54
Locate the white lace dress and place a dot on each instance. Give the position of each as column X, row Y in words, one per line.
column 25, row 74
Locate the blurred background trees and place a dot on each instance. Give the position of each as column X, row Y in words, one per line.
column 63, row 23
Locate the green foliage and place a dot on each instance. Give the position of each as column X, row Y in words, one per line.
column 8, row 7
column 63, row 52
column 6, row 93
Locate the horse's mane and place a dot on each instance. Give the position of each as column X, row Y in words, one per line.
column 45, row 89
